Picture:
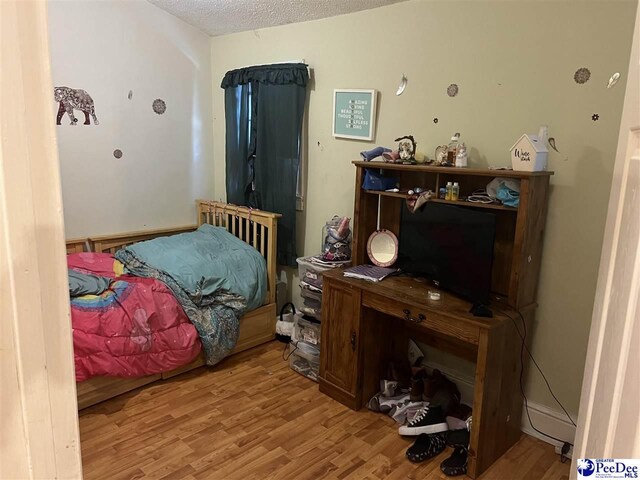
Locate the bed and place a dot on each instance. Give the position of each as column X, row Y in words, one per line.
column 254, row 227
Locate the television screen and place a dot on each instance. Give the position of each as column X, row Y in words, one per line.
column 451, row 245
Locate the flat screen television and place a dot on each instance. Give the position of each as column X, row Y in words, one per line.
column 451, row 245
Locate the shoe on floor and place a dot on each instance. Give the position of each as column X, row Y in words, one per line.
column 456, row 464
column 458, row 438
column 380, row 403
column 426, row 447
column 439, row 390
column 428, row 420
column 406, row 411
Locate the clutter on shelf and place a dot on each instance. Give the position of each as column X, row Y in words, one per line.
column 374, row 180
column 505, row 190
column 336, row 240
column 374, row 153
column 453, row 154
column 416, row 198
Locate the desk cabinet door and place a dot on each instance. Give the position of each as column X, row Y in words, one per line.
column 340, row 336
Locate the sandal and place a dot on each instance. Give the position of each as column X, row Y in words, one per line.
column 456, row 464
column 425, row 447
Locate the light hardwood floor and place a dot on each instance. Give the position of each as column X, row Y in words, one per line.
column 254, row 418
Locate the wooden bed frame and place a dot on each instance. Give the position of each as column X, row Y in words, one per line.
column 255, row 227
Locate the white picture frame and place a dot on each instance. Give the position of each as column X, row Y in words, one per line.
column 354, row 113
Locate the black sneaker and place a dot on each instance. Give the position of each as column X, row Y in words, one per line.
column 456, row 464
column 429, row 420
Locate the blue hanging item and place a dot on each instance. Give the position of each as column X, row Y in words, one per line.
column 375, row 181
column 508, row 197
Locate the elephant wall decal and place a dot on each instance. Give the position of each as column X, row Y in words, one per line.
column 70, row 99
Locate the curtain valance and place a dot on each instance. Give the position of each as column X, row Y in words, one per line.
column 276, row 74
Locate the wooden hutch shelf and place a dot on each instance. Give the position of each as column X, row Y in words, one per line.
column 486, row 172
column 366, row 325
column 518, row 243
column 460, row 203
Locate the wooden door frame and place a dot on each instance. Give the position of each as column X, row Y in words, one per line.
column 39, row 437
column 608, row 424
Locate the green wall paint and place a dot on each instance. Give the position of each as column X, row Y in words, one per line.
column 514, row 62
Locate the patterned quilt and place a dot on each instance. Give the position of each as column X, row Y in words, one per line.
column 213, row 275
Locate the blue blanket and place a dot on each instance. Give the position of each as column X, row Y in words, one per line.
column 215, row 276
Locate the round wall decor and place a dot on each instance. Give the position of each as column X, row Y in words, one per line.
column 582, row 75
column 159, row 106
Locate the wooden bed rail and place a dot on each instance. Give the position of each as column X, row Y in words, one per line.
column 79, row 245
column 113, row 243
column 255, row 227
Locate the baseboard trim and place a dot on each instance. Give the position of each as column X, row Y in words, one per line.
column 548, row 420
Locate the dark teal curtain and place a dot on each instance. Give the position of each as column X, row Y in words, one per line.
column 240, row 144
column 264, row 107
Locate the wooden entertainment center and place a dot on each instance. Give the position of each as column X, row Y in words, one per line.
column 365, row 325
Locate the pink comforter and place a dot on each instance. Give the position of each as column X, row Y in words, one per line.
column 135, row 328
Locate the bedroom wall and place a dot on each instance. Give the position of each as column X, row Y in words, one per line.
column 514, row 63
column 109, row 48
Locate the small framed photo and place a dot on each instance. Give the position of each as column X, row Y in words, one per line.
column 354, row 114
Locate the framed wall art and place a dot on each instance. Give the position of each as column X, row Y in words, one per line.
column 354, row 114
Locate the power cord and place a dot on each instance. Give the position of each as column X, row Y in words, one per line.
column 565, row 445
column 288, row 345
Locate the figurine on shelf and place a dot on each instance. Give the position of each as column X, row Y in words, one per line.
column 441, row 155
column 461, row 155
column 407, row 149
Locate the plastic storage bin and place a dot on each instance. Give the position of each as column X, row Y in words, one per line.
column 305, row 331
column 312, row 307
column 309, row 294
column 305, row 359
column 310, row 272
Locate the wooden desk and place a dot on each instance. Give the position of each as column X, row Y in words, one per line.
column 365, row 325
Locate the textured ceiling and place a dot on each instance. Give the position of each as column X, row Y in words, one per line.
column 220, row 17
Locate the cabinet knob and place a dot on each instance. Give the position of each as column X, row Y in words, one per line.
column 353, row 341
column 407, row 314
column 421, row 318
